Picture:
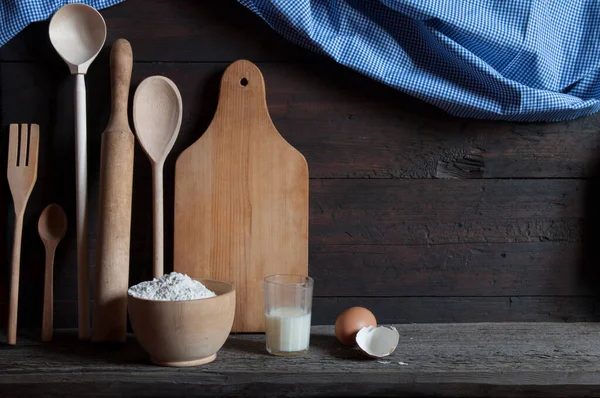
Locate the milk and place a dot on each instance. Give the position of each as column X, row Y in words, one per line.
column 287, row 329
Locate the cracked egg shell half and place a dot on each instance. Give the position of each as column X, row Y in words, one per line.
column 377, row 342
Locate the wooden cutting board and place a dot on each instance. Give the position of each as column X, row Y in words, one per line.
column 241, row 198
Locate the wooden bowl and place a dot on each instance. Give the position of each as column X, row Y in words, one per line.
column 184, row 333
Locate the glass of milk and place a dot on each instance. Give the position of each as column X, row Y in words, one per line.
column 288, row 306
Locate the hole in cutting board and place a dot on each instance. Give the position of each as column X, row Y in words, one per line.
column 244, row 82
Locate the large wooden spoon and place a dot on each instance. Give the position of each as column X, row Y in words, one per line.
column 52, row 227
column 157, row 112
column 77, row 33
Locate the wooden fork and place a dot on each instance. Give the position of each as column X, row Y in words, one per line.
column 22, row 174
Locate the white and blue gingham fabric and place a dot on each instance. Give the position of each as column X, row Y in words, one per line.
column 522, row 60
column 15, row 15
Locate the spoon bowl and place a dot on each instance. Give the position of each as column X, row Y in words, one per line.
column 157, row 116
column 52, row 224
column 77, row 32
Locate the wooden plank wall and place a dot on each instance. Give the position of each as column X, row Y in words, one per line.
column 418, row 215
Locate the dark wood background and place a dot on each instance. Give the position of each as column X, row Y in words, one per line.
column 417, row 215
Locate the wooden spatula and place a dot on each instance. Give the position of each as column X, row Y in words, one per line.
column 241, row 198
column 22, row 174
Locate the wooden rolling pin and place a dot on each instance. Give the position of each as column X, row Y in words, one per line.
column 109, row 318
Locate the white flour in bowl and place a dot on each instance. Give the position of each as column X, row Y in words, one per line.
column 171, row 287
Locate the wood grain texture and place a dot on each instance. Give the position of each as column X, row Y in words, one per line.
column 493, row 359
column 416, row 309
column 4, row 210
column 371, row 212
column 48, row 306
column 430, row 212
column 412, row 211
column 111, row 269
column 111, row 276
column 241, row 198
column 510, row 247
column 184, row 333
column 346, row 125
column 473, row 270
column 447, row 309
column 480, row 269
column 22, row 167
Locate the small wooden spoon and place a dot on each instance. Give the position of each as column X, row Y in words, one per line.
column 52, row 227
column 157, row 113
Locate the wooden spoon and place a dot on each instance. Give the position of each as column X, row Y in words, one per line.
column 52, row 227
column 78, row 32
column 157, row 112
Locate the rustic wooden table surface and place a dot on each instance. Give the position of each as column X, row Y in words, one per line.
column 485, row 359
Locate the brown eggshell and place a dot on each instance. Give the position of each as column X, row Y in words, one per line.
column 350, row 322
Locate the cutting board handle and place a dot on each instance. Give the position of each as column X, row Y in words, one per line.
column 242, row 93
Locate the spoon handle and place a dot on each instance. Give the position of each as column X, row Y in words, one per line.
column 83, row 293
column 48, row 312
column 159, row 239
column 14, row 279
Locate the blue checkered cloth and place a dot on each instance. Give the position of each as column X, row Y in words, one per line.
column 15, row 15
column 521, row 60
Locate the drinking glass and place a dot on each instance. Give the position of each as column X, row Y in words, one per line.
column 288, row 308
